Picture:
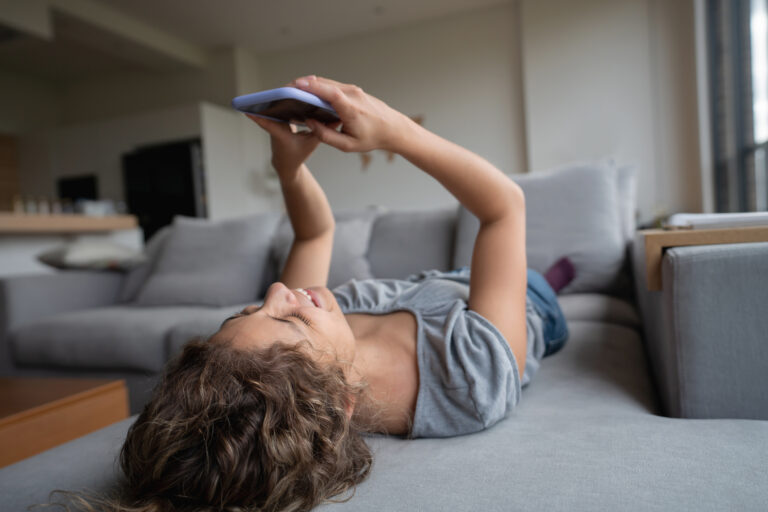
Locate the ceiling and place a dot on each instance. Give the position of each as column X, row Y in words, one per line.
column 86, row 44
column 269, row 25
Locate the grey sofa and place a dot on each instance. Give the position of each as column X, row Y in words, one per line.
column 592, row 430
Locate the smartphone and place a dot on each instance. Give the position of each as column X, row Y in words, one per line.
column 286, row 104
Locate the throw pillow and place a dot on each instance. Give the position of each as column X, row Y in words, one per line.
column 350, row 246
column 92, row 254
column 572, row 211
column 137, row 276
column 210, row 263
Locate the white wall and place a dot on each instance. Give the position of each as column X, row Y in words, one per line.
column 97, row 148
column 528, row 85
column 673, row 59
column 234, row 186
column 128, row 93
column 26, row 103
column 461, row 73
column 615, row 78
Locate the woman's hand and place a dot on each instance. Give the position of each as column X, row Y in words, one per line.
column 367, row 122
column 289, row 148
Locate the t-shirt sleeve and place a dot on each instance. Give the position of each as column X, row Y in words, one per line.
column 473, row 380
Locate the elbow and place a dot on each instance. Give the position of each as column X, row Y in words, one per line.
column 512, row 203
column 517, row 196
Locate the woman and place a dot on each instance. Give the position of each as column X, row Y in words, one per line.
column 267, row 413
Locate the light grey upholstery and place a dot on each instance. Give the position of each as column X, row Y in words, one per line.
column 407, row 242
column 351, row 239
column 597, row 307
column 585, row 436
column 706, row 329
column 202, row 325
column 210, row 263
column 626, row 186
column 572, row 212
column 24, row 299
column 136, row 277
column 127, row 337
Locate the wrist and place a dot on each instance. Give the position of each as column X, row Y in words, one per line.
column 401, row 134
column 411, row 139
column 289, row 177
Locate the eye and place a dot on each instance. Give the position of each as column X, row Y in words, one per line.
column 300, row 317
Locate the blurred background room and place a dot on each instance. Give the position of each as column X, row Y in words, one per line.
column 111, row 108
column 138, row 210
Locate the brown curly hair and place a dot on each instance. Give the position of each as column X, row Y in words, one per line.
column 234, row 430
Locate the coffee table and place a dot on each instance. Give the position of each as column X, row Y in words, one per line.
column 39, row 413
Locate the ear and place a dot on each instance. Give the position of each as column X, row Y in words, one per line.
column 350, row 407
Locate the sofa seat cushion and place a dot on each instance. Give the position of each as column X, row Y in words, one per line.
column 124, row 337
column 601, row 370
column 585, row 436
column 201, row 326
column 598, row 307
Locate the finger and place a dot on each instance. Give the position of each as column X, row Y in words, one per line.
column 328, row 92
column 330, row 136
column 347, row 88
column 272, row 127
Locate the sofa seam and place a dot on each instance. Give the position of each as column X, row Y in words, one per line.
column 675, row 328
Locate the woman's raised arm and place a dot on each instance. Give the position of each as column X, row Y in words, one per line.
column 498, row 278
column 310, row 214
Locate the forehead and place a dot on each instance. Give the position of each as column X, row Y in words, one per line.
column 260, row 328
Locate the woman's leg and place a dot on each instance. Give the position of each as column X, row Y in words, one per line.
column 544, row 299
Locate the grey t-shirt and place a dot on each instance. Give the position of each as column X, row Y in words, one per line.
column 468, row 377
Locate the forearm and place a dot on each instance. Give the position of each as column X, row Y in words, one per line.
column 476, row 183
column 307, row 207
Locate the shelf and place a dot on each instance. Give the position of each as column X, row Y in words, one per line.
column 62, row 224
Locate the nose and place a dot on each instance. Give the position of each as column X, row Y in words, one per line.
column 278, row 294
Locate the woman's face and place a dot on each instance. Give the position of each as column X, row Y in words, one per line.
column 292, row 316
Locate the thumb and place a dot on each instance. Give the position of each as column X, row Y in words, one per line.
column 270, row 126
column 330, row 136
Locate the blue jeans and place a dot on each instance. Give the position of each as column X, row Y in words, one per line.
column 544, row 299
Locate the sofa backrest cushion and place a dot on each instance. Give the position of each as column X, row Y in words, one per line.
column 407, row 242
column 350, row 244
column 572, row 211
column 626, row 181
column 213, row 263
column 136, row 277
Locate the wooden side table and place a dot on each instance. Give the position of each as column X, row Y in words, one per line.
column 656, row 240
column 39, row 413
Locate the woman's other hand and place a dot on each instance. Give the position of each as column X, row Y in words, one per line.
column 290, row 148
column 367, row 123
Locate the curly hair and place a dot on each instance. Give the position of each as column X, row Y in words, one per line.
column 233, row 430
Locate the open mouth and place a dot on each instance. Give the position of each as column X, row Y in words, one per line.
column 310, row 295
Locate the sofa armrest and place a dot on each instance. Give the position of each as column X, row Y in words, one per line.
column 26, row 298
column 706, row 330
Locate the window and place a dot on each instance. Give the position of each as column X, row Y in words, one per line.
column 737, row 32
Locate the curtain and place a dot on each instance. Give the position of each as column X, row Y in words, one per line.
column 738, row 65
